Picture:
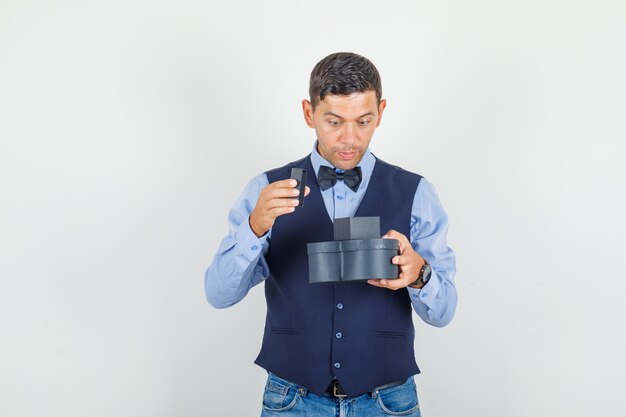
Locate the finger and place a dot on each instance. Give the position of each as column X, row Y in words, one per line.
column 280, row 192
column 392, row 234
column 279, row 211
column 288, row 183
column 277, row 189
column 307, row 190
column 391, row 284
column 279, row 185
column 396, row 284
column 397, row 235
column 281, row 202
column 403, row 242
column 400, row 260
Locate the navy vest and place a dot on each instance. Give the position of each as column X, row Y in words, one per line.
column 355, row 332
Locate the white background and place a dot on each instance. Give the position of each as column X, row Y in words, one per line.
column 129, row 128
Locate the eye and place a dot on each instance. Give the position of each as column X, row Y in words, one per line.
column 364, row 122
column 334, row 123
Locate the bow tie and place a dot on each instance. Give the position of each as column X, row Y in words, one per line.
column 327, row 177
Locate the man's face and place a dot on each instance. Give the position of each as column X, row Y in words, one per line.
column 344, row 126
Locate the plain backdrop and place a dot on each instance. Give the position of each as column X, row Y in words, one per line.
column 129, row 128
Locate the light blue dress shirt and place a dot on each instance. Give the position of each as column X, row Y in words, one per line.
column 239, row 263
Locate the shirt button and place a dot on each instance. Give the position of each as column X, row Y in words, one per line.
column 339, row 197
column 414, row 295
column 338, row 335
column 255, row 247
column 337, row 365
column 424, row 294
column 339, row 306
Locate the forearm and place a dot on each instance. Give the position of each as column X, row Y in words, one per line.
column 239, row 263
column 238, row 266
column 435, row 302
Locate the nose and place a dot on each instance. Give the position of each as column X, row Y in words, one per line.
column 348, row 135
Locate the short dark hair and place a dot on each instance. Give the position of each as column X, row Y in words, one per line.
column 343, row 73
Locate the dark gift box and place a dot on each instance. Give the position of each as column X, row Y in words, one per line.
column 355, row 258
column 357, row 228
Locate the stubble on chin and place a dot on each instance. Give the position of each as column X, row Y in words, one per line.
column 345, row 165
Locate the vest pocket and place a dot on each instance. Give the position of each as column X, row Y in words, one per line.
column 389, row 335
column 285, row 330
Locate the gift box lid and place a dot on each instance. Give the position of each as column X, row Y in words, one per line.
column 352, row 245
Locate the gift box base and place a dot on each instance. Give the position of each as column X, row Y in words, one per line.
column 352, row 260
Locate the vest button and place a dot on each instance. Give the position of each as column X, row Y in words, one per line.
column 340, row 306
column 337, row 365
column 338, row 335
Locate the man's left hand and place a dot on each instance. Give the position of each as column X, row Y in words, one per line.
column 409, row 261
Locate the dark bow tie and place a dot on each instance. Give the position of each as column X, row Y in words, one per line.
column 327, row 177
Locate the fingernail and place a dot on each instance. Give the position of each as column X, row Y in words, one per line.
column 385, row 237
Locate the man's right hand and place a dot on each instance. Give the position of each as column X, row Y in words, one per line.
column 276, row 199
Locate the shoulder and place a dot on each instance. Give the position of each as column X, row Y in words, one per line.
column 427, row 191
column 280, row 172
column 397, row 172
column 252, row 189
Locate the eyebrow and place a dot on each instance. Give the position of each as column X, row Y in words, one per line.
column 328, row 113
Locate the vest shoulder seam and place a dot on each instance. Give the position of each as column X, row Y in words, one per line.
column 289, row 165
column 398, row 168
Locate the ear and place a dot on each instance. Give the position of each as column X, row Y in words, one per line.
column 307, row 110
column 381, row 108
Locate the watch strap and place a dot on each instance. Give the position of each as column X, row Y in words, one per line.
column 421, row 279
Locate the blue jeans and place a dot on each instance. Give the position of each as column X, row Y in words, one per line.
column 282, row 398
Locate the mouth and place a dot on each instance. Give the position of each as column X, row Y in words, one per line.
column 346, row 156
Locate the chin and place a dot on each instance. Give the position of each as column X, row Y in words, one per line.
column 345, row 165
column 341, row 164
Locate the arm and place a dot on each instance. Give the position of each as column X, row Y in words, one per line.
column 435, row 302
column 239, row 263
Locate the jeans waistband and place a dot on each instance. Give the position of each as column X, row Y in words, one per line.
column 373, row 392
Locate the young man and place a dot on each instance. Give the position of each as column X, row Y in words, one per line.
column 345, row 348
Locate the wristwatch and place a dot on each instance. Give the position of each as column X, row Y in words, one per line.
column 424, row 275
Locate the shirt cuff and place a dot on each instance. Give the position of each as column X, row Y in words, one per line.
column 248, row 245
column 428, row 292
